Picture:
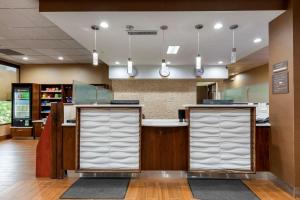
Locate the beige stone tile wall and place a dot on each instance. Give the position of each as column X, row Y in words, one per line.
column 161, row 98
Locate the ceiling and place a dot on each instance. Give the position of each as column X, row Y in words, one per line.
column 258, row 58
column 25, row 30
column 215, row 45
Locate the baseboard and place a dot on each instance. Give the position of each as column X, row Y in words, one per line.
column 5, row 137
column 293, row 191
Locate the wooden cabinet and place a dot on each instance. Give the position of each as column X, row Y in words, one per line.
column 262, row 148
column 37, row 129
column 69, row 148
column 164, row 148
column 21, row 132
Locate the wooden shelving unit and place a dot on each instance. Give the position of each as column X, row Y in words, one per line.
column 49, row 93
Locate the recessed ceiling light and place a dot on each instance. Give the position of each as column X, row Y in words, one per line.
column 25, row 58
column 60, row 58
column 218, row 26
column 104, row 25
column 168, row 63
column 220, row 62
column 257, row 40
column 117, row 62
column 173, row 49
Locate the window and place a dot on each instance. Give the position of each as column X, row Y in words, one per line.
column 8, row 75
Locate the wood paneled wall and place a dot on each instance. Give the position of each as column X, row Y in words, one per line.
column 283, row 107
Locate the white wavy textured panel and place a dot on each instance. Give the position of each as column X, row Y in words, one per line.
column 220, row 139
column 109, row 139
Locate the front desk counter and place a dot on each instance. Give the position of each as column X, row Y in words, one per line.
column 164, row 145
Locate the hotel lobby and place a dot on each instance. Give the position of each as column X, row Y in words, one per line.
column 149, row 100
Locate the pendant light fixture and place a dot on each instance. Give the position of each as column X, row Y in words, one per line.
column 95, row 53
column 233, row 51
column 198, row 70
column 130, row 69
column 164, row 70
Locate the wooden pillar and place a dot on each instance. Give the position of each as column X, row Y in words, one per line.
column 57, row 115
column 285, row 108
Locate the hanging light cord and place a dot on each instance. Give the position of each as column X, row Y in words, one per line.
column 129, row 45
column 233, row 39
column 162, row 49
column 95, row 40
column 198, row 43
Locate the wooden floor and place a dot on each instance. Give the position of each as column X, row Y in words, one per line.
column 17, row 180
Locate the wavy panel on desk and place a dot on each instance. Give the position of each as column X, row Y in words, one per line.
column 220, row 139
column 109, row 139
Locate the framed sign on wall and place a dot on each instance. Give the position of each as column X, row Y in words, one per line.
column 280, row 78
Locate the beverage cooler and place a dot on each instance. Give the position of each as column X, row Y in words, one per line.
column 24, row 104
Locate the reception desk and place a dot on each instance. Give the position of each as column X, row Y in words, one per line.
column 108, row 138
column 221, row 138
column 165, row 145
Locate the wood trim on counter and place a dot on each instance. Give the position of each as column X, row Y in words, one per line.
column 160, row 5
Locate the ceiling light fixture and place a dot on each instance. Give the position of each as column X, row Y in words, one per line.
column 95, row 53
column 130, row 69
column 220, row 62
column 25, row 58
column 104, row 25
column 233, row 51
column 173, row 49
column 199, row 70
column 218, row 26
column 60, row 58
column 164, row 70
column 257, row 40
column 117, row 62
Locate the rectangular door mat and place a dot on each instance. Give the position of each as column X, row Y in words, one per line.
column 220, row 189
column 98, row 188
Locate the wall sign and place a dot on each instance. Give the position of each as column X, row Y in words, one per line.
column 279, row 67
column 280, row 78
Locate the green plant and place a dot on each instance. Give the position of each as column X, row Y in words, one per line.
column 5, row 112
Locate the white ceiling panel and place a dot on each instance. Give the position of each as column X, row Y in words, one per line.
column 24, row 29
column 10, row 44
column 40, row 44
column 33, row 15
column 28, row 52
column 19, row 4
column 64, row 52
column 215, row 45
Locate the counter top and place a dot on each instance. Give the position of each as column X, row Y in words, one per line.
column 69, row 124
column 163, row 123
column 166, row 123
column 218, row 106
column 38, row 121
column 263, row 125
column 110, row 106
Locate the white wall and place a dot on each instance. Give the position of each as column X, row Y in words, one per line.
column 176, row 72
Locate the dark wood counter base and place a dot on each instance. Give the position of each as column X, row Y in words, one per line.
column 164, row 148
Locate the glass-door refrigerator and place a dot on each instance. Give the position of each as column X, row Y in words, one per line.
column 21, row 105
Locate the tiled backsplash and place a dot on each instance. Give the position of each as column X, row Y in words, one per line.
column 161, row 98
